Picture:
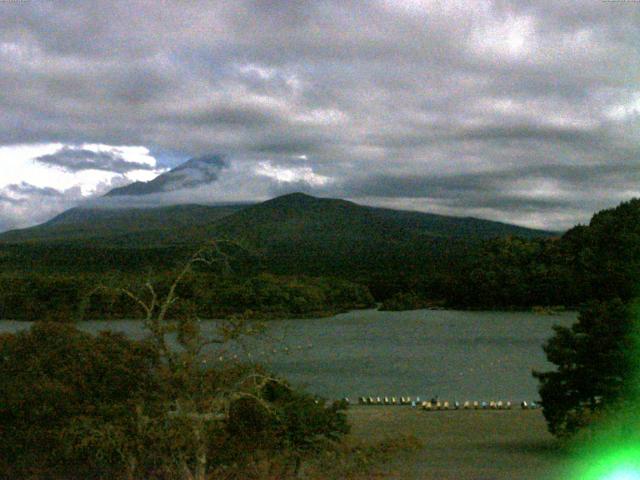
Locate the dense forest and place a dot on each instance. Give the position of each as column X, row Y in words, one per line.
column 78, row 406
column 205, row 295
column 598, row 261
column 311, row 258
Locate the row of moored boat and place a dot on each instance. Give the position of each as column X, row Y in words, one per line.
column 444, row 404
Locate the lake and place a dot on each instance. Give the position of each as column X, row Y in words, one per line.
column 445, row 353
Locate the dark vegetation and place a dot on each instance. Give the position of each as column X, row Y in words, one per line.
column 596, row 377
column 283, row 216
column 311, row 255
column 205, row 295
column 408, row 301
column 405, row 259
column 595, row 367
column 600, row 261
column 77, row 406
column 109, row 225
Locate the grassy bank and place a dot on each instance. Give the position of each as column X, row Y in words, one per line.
column 463, row 445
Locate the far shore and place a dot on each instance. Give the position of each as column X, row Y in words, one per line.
column 270, row 316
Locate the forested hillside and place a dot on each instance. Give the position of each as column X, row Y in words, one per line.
column 404, row 259
column 598, row 261
column 124, row 226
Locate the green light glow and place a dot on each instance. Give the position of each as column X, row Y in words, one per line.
column 612, row 452
column 624, row 474
column 622, row 463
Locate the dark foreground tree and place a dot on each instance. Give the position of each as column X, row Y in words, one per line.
column 595, row 367
column 54, row 375
column 73, row 405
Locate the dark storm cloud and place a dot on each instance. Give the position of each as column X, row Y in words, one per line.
column 229, row 116
column 528, row 132
column 78, row 159
column 508, row 190
column 491, row 183
column 418, row 95
column 15, row 195
column 26, row 189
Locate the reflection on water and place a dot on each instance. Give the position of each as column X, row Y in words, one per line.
column 451, row 354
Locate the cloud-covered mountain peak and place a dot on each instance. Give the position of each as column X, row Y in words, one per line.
column 191, row 174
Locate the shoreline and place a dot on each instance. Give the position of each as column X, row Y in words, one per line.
column 319, row 314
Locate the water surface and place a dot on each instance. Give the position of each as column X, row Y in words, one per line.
column 451, row 354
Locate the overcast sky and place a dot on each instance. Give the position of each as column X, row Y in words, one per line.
column 526, row 111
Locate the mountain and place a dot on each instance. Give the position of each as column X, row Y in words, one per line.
column 287, row 218
column 301, row 215
column 298, row 233
column 114, row 225
column 291, row 234
column 193, row 173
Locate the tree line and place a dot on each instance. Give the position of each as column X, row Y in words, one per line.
column 599, row 261
column 34, row 297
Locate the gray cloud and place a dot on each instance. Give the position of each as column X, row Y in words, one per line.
column 491, row 183
column 26, row 189
column 24, row 204
column 199, row 171
column 78, row 159
column 517, row 107
column 6, row 199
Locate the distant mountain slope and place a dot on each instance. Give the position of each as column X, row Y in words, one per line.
column 298, row 233
column 107, row 224
column 193, row 173
column 298, row 214
column 292, row 234
column 287, row 218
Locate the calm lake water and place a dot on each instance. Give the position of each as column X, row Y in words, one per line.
column 451, row 354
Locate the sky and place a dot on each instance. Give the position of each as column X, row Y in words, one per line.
column 526, row 112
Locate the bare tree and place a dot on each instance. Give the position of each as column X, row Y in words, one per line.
column 192, row 405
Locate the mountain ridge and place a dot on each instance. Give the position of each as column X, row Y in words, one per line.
column 277, row 217
column 294, row 234
column 194, row 172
